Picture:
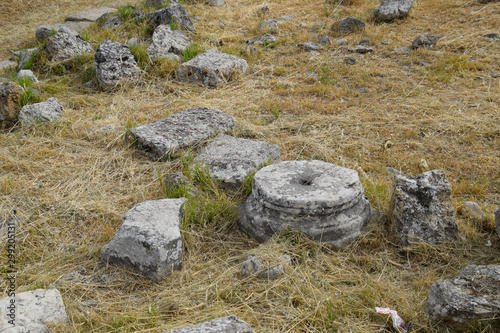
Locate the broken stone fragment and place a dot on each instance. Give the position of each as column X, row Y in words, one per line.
column 149, row 239
column 90, row 15
column 63, row 46
column 173, row 12
column 44, row 111
column 166, row 41
column 270, row 25
column 254, row 266
column 424, row 41
column 347, row 25
column 229, row 324
column 421, row 208
column 391, row 10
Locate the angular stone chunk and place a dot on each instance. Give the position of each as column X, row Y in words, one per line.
column 175, row 12
column 10, row 96
column 180, row 130
column 320, row 199
column 167, row 41
column 43, row 111
column 424, row 41
column 112, row 23
column 90, row 15
column 391, row 10
column 64, row 46
column 467, row 300
column 310, row 46
column 229, row 324
column 114, row 63
column 211, row 68
column 27, row 73
column 45, row 30
column 347, row 25
column 149, row 239
column 422, row 209
column 230, row 160
column 264, row 39
column 34, row 311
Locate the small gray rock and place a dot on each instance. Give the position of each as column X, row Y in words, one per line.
column 113, row 22
column 10, row 96
column 149, row 239
column 360, row 49
column 472, row 210
column 217, row 3
column 312, row 75
column 27, row 73
column 139, row 16
column 470, row 299
column 166, row 41
column 492, row 36
column 350, row 60
column 132, row 41
column 341, row 41
column 310, row 46
column 211, row 68
column 254, row 266
column 5, row 64
column 270, row 25
column 43, row 111
column 402, row 50
column 175, row 12
column 347, row 25
column 229, row 324
column 424, row 41
column 190, row 127
column 90, row 15
column 391, row 10
column 34, row 311
column 364, row 42
column 264, row 39
column 422, row 209
column 46, row 30
column 62, row 46
column 176, row 179
column 114, row 63
column 230, row 160
column 318, row 26
column 325, row 40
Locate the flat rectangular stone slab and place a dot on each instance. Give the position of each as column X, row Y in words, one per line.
column 90, row 15
column 229, row 324
column 187, row 128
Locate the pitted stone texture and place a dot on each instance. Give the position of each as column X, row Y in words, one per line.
column 472, row 297
column 424, row 41
column 27, row 73
column 63, row 46
column 114, row 63
column 167, row 41
column 187, row 128
column 254, row 266
column 112, row 23
column 43, row 111
column 391, row 10
column 46, row 30
column 35, row 310
column 320, row 199
column 10, row 96
column 174, row 11
column 230, row 160
column 229, row 324
column 149, row 239
column 347, row 25
column 211, row 68
column 90, row 15
column 422, row 209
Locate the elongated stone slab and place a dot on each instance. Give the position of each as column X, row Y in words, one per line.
column 190, row 127
column 90, row 15
column 229, row 324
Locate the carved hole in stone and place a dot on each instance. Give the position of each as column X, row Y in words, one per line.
column 305, row 182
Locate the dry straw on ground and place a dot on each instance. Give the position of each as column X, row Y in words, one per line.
column 71, row 183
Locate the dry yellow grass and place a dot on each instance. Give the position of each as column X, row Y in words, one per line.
column 71, row 185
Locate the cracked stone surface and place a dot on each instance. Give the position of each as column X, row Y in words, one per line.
column 473, row 296
column 166, row 41
column 149, row 239
column 322, row 200
column 230, row 160
column 229, row 324
column 211, row 68
column 187, row 128
column 62, row 46
column 35, row 310
column 422, row 209
column 391, row 10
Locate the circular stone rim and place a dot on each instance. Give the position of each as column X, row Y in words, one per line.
column 316, row 178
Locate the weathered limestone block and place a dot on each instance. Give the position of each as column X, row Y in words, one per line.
column 347, row 25
column 34, row 311
column 187, row 128
column 114, row 63
column 43, row 111
column 46, row 30
column 149, row 239
column 322, row 200
column 422, row 209
column 90, row 15
column 62, row 46
column 10, row 96
column 166, row 41
column 230, row 160
column 391, row 10
column 229, row 324
column 473, row 297
column 175, row 12
column 27, row 73
column 211, row 68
